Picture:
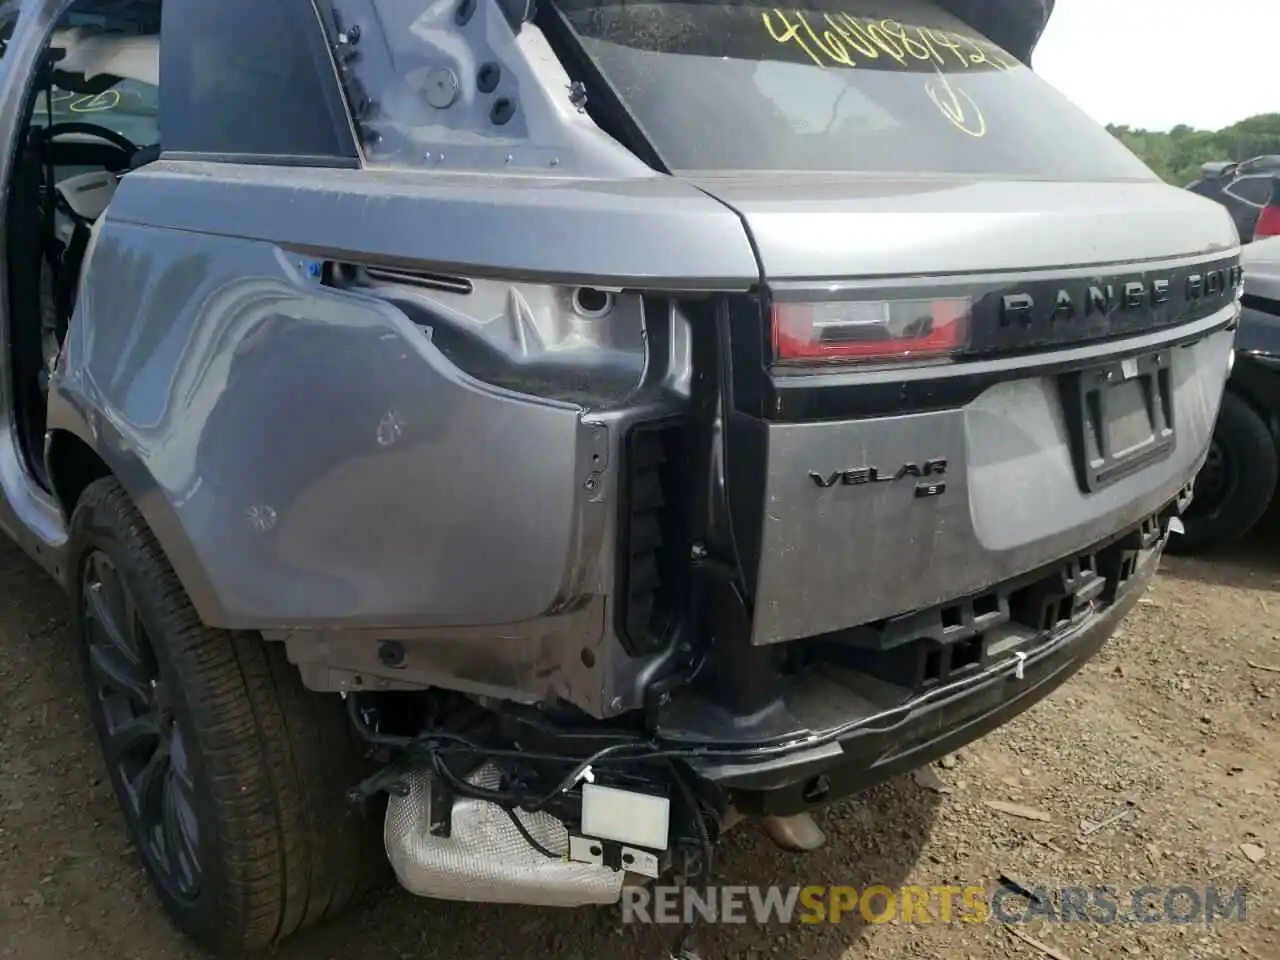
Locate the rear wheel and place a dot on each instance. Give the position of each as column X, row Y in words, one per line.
column 231, row 775
column 1237, row 482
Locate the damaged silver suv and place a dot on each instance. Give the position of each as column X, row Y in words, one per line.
column 515, row 443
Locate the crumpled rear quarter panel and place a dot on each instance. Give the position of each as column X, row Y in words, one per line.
column 322, row 457
column 304, row 454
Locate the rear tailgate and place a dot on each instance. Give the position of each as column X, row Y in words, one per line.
column 895, row 486
column 959, row 259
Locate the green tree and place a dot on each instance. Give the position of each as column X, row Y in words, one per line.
column 1178, row 154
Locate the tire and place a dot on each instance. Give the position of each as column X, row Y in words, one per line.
column 256, row 840
column 1237, row 483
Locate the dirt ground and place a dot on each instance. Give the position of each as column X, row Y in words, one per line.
column 1176, row 724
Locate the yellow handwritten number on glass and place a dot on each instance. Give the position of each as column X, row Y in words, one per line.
column 107, row 100
column 956, row 105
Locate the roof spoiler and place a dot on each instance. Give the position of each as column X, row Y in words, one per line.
column 1216, row 169
column 1016, row 25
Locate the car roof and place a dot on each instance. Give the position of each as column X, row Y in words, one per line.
column 1267, row 163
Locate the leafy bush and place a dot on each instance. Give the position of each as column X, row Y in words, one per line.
column 1178, row 154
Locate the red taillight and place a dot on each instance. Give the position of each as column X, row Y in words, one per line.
column 1268, row 223
column 1269, row 219
column 876, row 330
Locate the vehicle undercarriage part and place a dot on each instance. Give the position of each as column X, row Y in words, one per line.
column 469, row 818
column 486, row 857
column 798, row 833
column 489, row 836
column 503, row 802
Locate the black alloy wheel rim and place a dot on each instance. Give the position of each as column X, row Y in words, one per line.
column 144, row 746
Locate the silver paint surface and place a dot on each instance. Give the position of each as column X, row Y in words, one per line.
column 847, row 555
column 820, row 227
column 1261, row 262
column 315, row 469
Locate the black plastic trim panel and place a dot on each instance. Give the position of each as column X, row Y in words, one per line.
column 843, row 679
column 952, row 714
column 266, row 160
column 650, row 587
column 1088, row 401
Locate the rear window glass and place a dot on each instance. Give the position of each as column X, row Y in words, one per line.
column 1256, row 190
column 893, row 86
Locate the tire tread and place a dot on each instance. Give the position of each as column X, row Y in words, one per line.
column 278, row 757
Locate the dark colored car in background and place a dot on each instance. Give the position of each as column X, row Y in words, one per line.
column 1247, row 188
column 1238, row 481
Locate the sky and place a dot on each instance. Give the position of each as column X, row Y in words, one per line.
column 1158, row 63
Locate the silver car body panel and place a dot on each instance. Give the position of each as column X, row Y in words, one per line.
column 315, row 467
column 1012, row 502
column 1261, row 262
column 824, row 227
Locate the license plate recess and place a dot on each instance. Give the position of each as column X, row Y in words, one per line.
column 1119, row 417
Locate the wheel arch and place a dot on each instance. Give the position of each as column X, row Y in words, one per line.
column 1248, row 437
column 1257, row 383
column 74, row 462
column 71, row 464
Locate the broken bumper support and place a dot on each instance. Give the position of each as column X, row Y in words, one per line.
column 875, row 747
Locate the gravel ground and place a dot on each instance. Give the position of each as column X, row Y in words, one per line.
column 1171, row 724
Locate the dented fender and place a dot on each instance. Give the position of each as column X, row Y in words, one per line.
column 305, row 454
